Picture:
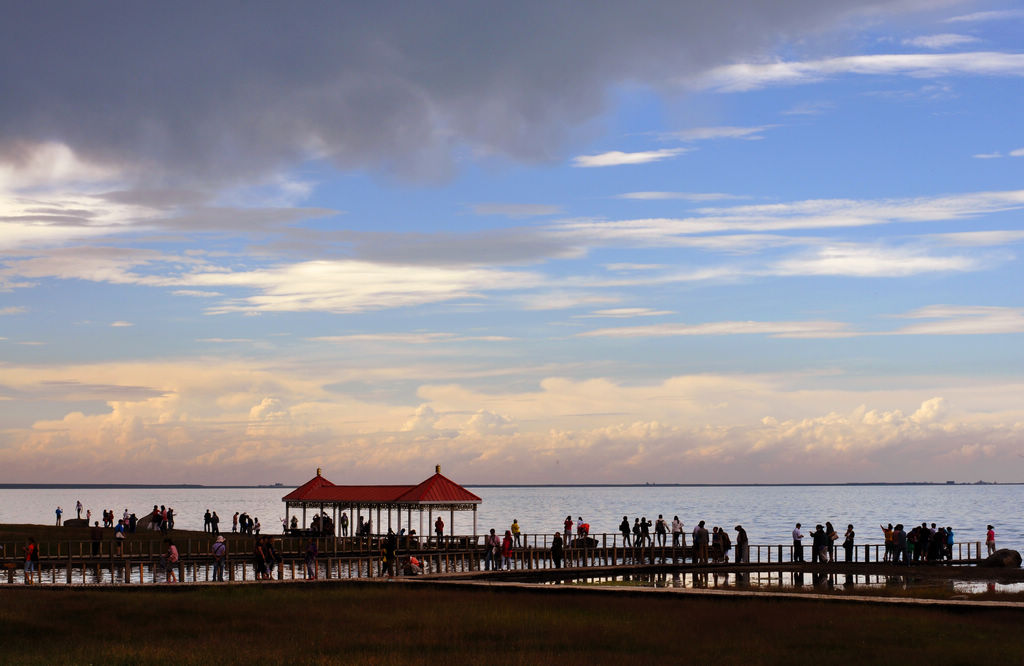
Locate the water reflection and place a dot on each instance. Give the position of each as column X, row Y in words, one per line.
column 794, row 580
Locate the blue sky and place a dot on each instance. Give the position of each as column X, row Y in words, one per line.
column 644, row 243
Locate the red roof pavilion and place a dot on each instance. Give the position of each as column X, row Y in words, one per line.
column 436, row 493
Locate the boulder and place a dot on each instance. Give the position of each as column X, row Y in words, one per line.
column 1002, row 558
column 76, row 522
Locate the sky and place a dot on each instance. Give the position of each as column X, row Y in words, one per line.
column 533, row 242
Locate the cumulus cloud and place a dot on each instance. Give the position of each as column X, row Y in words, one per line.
column 231, row 421
column 363, row 86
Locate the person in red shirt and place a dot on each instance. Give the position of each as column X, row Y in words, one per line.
column 506, row 550
column 31, row 560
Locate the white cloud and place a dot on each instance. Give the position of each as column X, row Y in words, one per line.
column 869, row 262
column 1019, row 152
column 410, row 338
column 685, row 196
column 12, row 310
column 980, row 238
column 196, row 293
column 121, row 324
column 987, row 156
column 50, row 164
column 722, row 132
column 808, row 214
column 752, row 76
column 941, row 41
column 949, row 320
column 965, row 320
column 618, row 158
column 993, row 15
column 565, row 300
column 775, row 329
column 625, row 313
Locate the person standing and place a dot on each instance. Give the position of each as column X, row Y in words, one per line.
column 742, row 545
column 60, row 512
column 701, row 543
column 624, row 528
column 391, row 554
column 256, row 526
column 119, row 537
column 96, row 532
column 557, row 550
column 848, row 543
column 439, row 530
column 78, row 508
column 506, row 550
column 515, row 531
column 344, row 524
column 492, row 549
column 990, row 540
column 311, row 554
column 234, row 523
column 220, row 553
column 677, row 533
column 207, row 524
column 899, row 545
column 798, row 544
column 567, row 525
column 887, row 533
column 215, row 524
column 31, row 560
column 661, row 530
column 172, row 561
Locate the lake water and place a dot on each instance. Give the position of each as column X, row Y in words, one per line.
column 768, row 513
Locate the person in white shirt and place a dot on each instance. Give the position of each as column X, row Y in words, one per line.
column 798, row 546
column 677, row 533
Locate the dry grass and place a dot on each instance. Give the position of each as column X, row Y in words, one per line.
column 395, row 623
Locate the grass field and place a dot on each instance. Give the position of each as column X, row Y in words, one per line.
column 397, row 623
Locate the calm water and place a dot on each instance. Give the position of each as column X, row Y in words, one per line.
column 767, row 513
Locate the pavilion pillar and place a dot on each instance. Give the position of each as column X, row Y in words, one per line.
column 287, row 506
column 421, row 527
column 474, row 523
column 389, row 517
column 304, row 515
column 451, row 518
column 430, row 524
column 399, row 512
column 334, row 518
column 378, row 520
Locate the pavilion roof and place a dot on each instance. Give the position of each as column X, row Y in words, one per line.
column 437, row 489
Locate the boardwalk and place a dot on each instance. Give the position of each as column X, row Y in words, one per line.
column 72, row 562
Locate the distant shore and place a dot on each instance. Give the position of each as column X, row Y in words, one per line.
column 199, row 486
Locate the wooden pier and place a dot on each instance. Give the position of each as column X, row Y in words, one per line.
column 139, row 560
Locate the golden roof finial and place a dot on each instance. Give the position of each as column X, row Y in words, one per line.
column 318, row 470
column 437, row 469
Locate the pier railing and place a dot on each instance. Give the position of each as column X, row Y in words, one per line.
column 138, row 558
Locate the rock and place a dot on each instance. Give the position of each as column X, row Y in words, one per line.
column 76, row 522
column 1002, row 558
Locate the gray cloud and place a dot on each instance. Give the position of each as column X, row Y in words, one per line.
column 216, row 92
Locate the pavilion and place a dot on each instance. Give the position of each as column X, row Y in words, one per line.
column 436, row 494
